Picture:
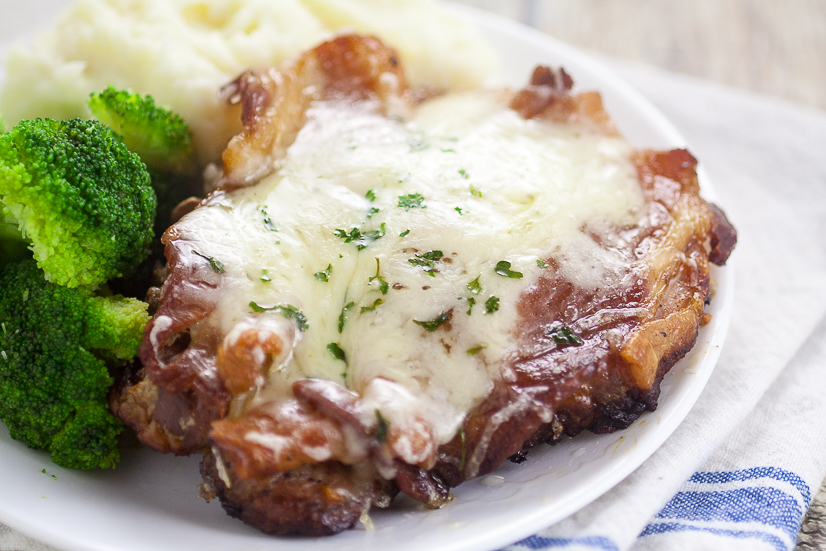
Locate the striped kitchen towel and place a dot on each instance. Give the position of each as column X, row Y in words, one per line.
column 741, row 470
column 763, row 503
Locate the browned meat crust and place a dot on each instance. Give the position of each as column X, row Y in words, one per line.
column 313, row 500
column 626, row 337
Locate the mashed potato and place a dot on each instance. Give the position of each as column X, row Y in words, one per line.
column 183, row 51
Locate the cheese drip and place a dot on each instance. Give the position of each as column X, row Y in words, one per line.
column 386, row 235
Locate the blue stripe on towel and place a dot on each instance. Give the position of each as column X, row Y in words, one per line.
column 755, row 473
column 768, row 506
column 703, row 507
column 664, row 527
column 538, row 542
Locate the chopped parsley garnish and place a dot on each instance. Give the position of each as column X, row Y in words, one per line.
column 265, row 277
column 342, row 317
column 411, row 201
column 564, row 336
column 475, row 192
column 476, row 349
column 216, row 265
column 383, row 286
column 370, row 195
column 376, row 303
column 404, row 233
column 288, row 311
column 503, row 268
column 491, row 305
column 431, row 326
column 459, row 210
column 427, row 261
column 471, row 302
column 382, row 426
column 474, row 286
column 372, row 211
column 541, row 263
column 463, row 173
column 362, row 240
column 325, row 274
column 268, row 223
column 448, row 151
column 337, row 352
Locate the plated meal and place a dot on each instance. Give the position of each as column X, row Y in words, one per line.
column 394, row 288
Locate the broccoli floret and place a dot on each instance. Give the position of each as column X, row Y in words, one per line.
column 159, row 136
column 162, row 140
column 83, row 202
column 56, row 348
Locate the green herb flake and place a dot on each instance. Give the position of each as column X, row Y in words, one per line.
column 463, row 173
column 503, row 268
column 411, row 201
column 431, row 326
column 541, row 263
column 427, row 261
column 336, row 351
column 383, row 285
column 460, row 211
column 404, row 233
column 324, row 276
column 382, row 427
column 474, row 286
column 475, row 192
column 448, row 151
column 372, row 211
column 471, row 302
column 564, row 336
column 268, row 223
column 216, row 265
column 342, row 317
column 370, row 195
column 376, row 303
column 491, row 305
column 361, row 240
column 287, row 310
column 476, row 349
column 265, row 277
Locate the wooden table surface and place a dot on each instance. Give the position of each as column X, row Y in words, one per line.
column 773, row 47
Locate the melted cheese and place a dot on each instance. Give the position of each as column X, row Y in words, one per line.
column 493, row 187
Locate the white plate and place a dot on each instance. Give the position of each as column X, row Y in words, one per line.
column 151, row 501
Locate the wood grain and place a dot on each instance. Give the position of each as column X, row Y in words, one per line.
column 775, row 47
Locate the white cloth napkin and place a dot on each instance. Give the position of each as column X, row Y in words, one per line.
column 741, row 470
